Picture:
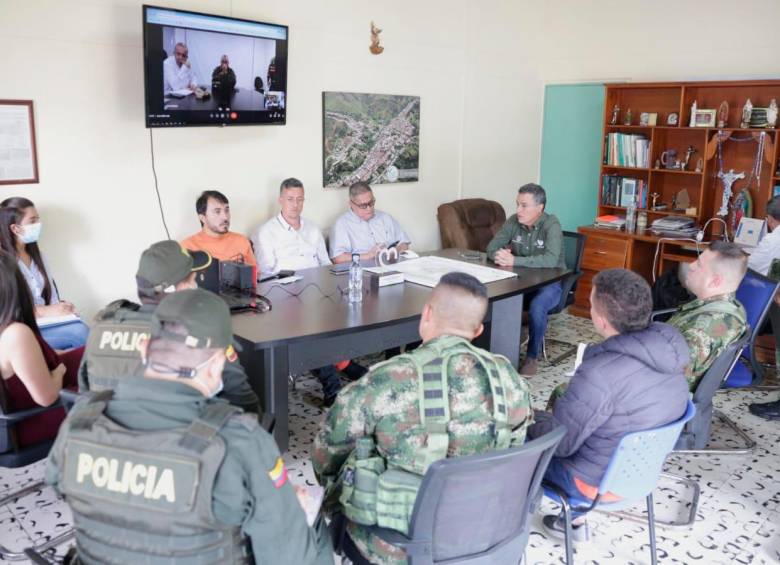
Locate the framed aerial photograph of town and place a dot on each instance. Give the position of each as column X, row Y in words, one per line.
column 369, row 137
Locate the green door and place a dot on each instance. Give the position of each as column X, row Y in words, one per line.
column 571, row 151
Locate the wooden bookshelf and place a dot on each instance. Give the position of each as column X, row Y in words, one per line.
column 606, row 248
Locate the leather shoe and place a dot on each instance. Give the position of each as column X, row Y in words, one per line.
column 328, row 401
column 529, row 366
column 767, row 410
column 354, row 371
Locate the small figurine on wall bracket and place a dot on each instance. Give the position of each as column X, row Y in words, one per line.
column 747, row 110
column 627, row 121
column 771, row 114
column 723, row 114
column 615, row 112
column 375, row 48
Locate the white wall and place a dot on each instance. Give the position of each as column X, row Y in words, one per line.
column 82, row 63
column 480, row 68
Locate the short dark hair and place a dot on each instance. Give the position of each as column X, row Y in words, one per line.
column 624, row 298
column 731, row 261
column 465, row 282
column 358, row 188
column 540, row 196
column 202, row 203
column 292, row 182
column 773, row 208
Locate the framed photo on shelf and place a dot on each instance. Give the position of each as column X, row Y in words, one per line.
column 18, row 158
column 648, row 118
column 705, row 118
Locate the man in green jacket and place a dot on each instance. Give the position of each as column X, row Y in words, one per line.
column 532, row 238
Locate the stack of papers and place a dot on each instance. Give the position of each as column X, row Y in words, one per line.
column 610, row 221
column 53, row 321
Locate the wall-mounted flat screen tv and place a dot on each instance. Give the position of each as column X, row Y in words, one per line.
column 201, row 70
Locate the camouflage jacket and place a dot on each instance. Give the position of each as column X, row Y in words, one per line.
column 709, row 326
column 385, row 406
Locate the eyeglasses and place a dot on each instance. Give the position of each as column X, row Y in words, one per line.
column 365, row 206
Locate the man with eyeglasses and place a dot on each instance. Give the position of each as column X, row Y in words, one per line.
column 177, row 71
column 363, row 229
column 532, row 238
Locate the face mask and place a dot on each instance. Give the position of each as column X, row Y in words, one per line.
column 31, row 233
column 214, row 393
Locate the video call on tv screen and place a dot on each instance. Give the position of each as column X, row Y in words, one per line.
column 205, row 70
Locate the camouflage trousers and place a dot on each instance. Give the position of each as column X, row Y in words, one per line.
column 373, row 548
column 555, row 395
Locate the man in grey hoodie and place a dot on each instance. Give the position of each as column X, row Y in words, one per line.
column 633, row 380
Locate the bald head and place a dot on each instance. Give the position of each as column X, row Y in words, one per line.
column 457, row 307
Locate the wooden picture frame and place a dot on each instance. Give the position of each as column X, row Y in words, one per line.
column 705, row 118
column 18, row 153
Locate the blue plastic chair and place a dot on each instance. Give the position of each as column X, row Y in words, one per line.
column 632, row 474
column 756, row 293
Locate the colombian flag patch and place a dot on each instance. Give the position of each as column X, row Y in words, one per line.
column 231, row 354
column 278, row 474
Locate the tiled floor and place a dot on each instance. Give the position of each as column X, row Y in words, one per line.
column 738, row 519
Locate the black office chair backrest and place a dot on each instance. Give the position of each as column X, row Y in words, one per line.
column 696, row 433
column 573, row 245
column 480, row 504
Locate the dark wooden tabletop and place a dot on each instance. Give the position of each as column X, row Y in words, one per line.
column 324, row 311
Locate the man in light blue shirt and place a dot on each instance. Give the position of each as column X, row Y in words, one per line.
column 363, row 229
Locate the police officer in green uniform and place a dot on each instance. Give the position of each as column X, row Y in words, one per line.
column 532, row 238
column 156, row 471
column 112, row 350
column 448, row 398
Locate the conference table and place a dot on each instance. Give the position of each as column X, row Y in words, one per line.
column 319, row 326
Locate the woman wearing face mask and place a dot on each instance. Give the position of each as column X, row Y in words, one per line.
column 20, row 228
column 31, row 373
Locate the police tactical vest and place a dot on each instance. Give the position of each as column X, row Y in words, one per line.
column 146, row 496
column 371, row 494
column 112, row 351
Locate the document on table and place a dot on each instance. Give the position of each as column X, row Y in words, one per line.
column 428, row 270
column 52, row 321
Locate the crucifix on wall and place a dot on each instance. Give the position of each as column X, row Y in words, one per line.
column 728, row 180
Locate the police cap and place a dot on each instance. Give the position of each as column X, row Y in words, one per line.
column 167, row 263
column 205, row 316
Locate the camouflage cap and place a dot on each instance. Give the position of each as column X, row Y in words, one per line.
column 167, row 263
column 205, row 316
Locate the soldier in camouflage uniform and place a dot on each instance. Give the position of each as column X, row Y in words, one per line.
column 383, row 409
column 716, row 318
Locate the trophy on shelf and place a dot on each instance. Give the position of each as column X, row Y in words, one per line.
column 771, row 114
column 693, row 115
column 688, row 154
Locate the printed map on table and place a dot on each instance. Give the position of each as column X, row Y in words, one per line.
column 428, row 270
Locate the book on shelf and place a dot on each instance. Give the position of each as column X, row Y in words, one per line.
column 627, row 150
column 617, row 190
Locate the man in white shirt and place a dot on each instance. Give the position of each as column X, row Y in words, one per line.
column 364, row 229
column 177, row 71
column 768, row 248
column 760, row 260
column 290, row 242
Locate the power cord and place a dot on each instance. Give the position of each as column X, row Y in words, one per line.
column 700, row 233
column 338, row 292
column 156, row 187
column 658, row 248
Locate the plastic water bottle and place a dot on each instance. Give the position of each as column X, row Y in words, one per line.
column 355, row 280
column 631, row 216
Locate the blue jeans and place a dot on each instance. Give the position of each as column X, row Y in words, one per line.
column 540, row 302
column 66, row 336
column 329, row 379
column 563, row 478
